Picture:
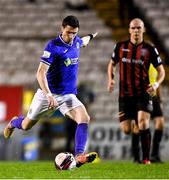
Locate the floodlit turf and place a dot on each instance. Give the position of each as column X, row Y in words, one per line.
column 102, row 170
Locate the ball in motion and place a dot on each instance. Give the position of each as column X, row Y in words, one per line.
column 65, row 161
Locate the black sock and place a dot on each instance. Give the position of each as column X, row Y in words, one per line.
column 145, row 143
column 135, row 150
column 156, row 142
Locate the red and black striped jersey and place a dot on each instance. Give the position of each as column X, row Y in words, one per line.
column 134, row 61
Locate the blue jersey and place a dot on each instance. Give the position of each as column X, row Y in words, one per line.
column 63, row 60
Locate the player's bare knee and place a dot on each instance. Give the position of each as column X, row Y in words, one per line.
column 126, row 126
column 159, row 125
column 28, row 124
column 136, row 131
column 143, row 123
column 126, row 130
column 86, row 119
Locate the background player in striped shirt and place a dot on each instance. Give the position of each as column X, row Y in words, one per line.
column 135, row 95
column 57, row 78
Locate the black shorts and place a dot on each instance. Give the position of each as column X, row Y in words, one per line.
column 157, row 110
column 129, row 106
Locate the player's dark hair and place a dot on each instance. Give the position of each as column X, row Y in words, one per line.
column 71, row 21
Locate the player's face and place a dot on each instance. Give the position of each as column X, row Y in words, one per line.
column 69, row 33
column 136, row 30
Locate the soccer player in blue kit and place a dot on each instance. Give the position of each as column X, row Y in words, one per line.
column 57, row 78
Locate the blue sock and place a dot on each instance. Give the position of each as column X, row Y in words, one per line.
column 81, row 138
column 17, row 123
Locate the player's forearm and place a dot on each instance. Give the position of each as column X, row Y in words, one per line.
column 110, row 71
column 161, row 74
column 160, row 77
column 41, row 77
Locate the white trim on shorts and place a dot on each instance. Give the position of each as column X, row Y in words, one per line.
column 39, row 105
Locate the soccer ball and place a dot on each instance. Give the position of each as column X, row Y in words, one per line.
column 65, row 161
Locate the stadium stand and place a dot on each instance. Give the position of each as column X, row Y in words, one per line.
column 156, row 14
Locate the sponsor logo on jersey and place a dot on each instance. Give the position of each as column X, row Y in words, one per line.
column 71, row 61
column 65, row 50
column 135, row 61
column 125, row 50
column 46, row 54
column 77, row 45
column 159, row 59
column 67, row 62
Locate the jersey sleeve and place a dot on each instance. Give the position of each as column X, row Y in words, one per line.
column 79, row 41
column 115, row 54
column 48, row 56
column 156, row 60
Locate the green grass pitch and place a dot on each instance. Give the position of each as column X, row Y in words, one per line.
column 102, row 170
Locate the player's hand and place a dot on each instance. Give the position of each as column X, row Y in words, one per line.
column 52, row 101
column 152, row 88
column 110, row 86
column 95, row 34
